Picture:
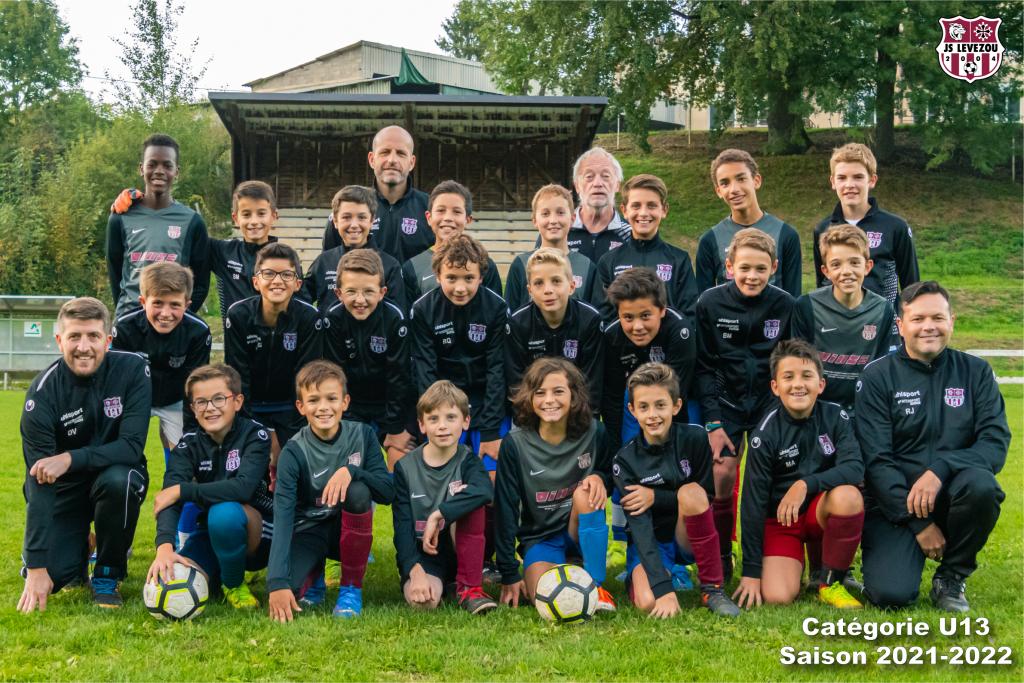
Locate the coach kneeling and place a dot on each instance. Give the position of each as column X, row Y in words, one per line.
column 83, row 430
column 932, row 426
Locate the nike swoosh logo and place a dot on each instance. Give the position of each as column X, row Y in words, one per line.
column 420, row 495
column 320, row 473
column 829, row 329
column 426, row 277
column 137, row 230
column 534, row 474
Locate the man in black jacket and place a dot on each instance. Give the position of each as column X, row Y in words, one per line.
column 933, row 425
column 83, row 431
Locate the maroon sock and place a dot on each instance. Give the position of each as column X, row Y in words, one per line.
column 704, row 543
column 736, row 500
column 356, row 539
column 724, row 520
column 842, row 536
column 814, row 555
column 488, row 532
column 469, row 548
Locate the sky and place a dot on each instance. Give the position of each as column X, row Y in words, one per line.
column 246, row 40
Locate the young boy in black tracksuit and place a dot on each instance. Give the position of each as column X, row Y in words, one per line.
column 738, row 325
column 736, row 180
column 268, row 337
column 665, row 479
column 552, row 216
column 554, row 324
column 223, row 468
column 352, row 212
column 933, row 426
column 368, row 336
column 327, row 477
column 853, row 175
column 449, row 211
column 233, row 261
column 459, row 335
column 439, row 485
column 803, row 469
column 645, row 205
column 849, row 325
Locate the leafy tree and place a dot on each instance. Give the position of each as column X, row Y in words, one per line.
column 159, row 73
column 38, row 59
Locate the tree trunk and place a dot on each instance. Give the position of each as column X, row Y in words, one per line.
column 885, row 100
column 786, row 134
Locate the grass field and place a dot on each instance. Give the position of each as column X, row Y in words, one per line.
column 73, row 641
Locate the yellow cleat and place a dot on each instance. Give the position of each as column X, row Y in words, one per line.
column 837, row 596
column 240, row 597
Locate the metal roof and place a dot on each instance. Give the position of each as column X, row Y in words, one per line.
column 11, row 303
column 454, row 118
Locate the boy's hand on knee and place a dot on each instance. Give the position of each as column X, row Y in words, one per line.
column 665, row 607
column 282, row 605
column 166, row 498
column 748, row 593
column 337, row 487
column 789, row 507
column 593, row 485
column 639, row 499
column 432, row 532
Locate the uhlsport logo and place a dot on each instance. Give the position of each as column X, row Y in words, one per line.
column 970, row 49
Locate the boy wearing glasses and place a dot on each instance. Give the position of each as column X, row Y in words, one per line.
column 268, row 337
column 222, row 468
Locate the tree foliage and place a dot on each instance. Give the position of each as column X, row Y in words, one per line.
column 38, row 59
column 159, row 73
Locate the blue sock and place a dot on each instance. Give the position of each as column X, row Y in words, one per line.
column 227, row 524
column 593, row 532
column 167, row 457
column 187, row 522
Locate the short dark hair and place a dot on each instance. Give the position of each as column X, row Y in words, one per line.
column 360, row 261
column 921, row 288
column 205, row 373
column 451, row 187
column 279, row 250
column 356, row 194
column 253, row 189
column 315, row 373
column 654, row 375
column 795, row 348
column 732, row 156
column 637, row 283
column 458, row 252
column 580, row 413
column 84, row 308
column 162, row 140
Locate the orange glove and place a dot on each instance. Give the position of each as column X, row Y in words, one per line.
column 125, row 200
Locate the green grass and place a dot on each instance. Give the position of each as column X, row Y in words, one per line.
column 73, row 641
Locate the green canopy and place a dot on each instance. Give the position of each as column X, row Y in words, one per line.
column 408, row 74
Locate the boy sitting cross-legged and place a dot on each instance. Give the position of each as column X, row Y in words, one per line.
column 441, row 489
column 221, row 467
column 665, row 477
column 327, row 476
column 800, row 486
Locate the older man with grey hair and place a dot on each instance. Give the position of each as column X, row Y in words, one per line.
column 597, row 227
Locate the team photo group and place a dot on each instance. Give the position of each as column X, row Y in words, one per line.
column 613, row 409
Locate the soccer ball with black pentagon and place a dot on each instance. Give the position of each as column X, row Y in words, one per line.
column 184, row 597
column 566, row 594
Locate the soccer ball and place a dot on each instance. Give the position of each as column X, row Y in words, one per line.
column 182, row 598
column 566, row 594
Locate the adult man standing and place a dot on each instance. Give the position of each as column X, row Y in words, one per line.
column 83, row 431
column 597, row 227
column 400, row 227
column 933, row 429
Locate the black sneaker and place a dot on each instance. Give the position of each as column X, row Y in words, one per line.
column 105, row 593
column 491, row 573
column 948, row 593
column 475, row 601
column 715, row 599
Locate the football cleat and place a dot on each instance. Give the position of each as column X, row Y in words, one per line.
column 715, row 599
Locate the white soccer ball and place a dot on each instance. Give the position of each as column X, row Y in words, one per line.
column 184, row 597
column 566, row 594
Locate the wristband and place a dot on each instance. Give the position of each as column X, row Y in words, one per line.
column 712, row 426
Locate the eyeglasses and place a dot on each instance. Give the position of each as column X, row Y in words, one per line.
column 269, row 275
column 218, row 401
